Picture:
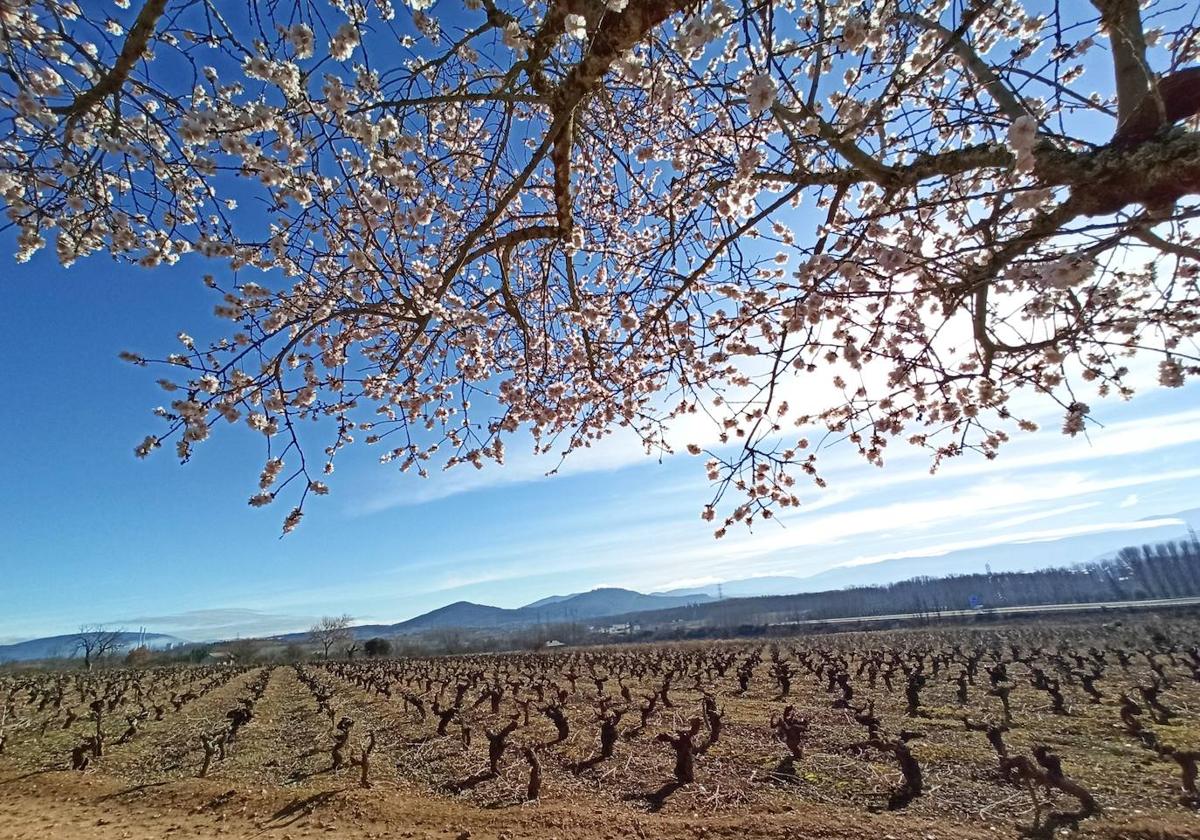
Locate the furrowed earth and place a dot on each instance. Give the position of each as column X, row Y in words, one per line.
column 1116, row 708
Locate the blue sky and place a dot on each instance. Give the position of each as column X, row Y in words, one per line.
column 90, row 533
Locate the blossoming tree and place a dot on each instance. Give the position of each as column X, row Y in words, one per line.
column 440, row 227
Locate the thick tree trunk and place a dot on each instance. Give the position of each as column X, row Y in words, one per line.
column 1122, row 20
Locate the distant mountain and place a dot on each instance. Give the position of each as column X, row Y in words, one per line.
column 1016, row 556
column 743, row 588
column 458, row 614
column 552, row 599
column 555, row 609
column 610, row 601
column 53, row 647
column 466, row 615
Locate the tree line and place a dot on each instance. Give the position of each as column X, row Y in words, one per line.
column 1164, row 570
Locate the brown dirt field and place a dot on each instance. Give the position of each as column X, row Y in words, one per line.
column 59, row 805
column 277, row 780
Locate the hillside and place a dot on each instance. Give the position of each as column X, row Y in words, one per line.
column 555, row 609
column 609, row 601
column 550, row 599
column 616, row 605
column 53, row 647
column 585, row 605
column 458, row 614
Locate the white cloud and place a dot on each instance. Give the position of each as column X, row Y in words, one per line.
column 1036, row 515
column 1047, row 447
column 220, row 623
column 649, row 533
column 1047, row 535
column 688, row 583
column 522, row 465
column 1129, row 501
column 937, row 513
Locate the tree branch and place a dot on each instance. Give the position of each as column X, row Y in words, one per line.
column 133, row 49
column 1122, row 19
column 980, row 69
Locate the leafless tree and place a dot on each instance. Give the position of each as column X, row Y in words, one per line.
column 330, row 631
column 94, row 641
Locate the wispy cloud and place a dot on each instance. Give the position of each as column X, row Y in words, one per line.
column 932, row 514
column 688, row 583
column 215, row 624
column 1038, row 515
column 522, row 465
column 1131, row 436
column 1047, row 535
column 650, row 537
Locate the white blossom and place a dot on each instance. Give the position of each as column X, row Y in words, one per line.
column 425, row 237
column 1077, row 413
column 342, row 45
column 576, row 26
column 760, row 93
column 513, row 38
column 300, row 36
column 1022, row 134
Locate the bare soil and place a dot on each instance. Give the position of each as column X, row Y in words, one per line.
column 277, row 779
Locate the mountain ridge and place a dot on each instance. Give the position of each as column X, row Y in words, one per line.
column 595, row 603
column 556, row 609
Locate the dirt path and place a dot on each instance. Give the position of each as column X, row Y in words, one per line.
column 275, row 747
column 66, row 806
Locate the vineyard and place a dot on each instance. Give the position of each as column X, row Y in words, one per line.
column 1017, row 731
